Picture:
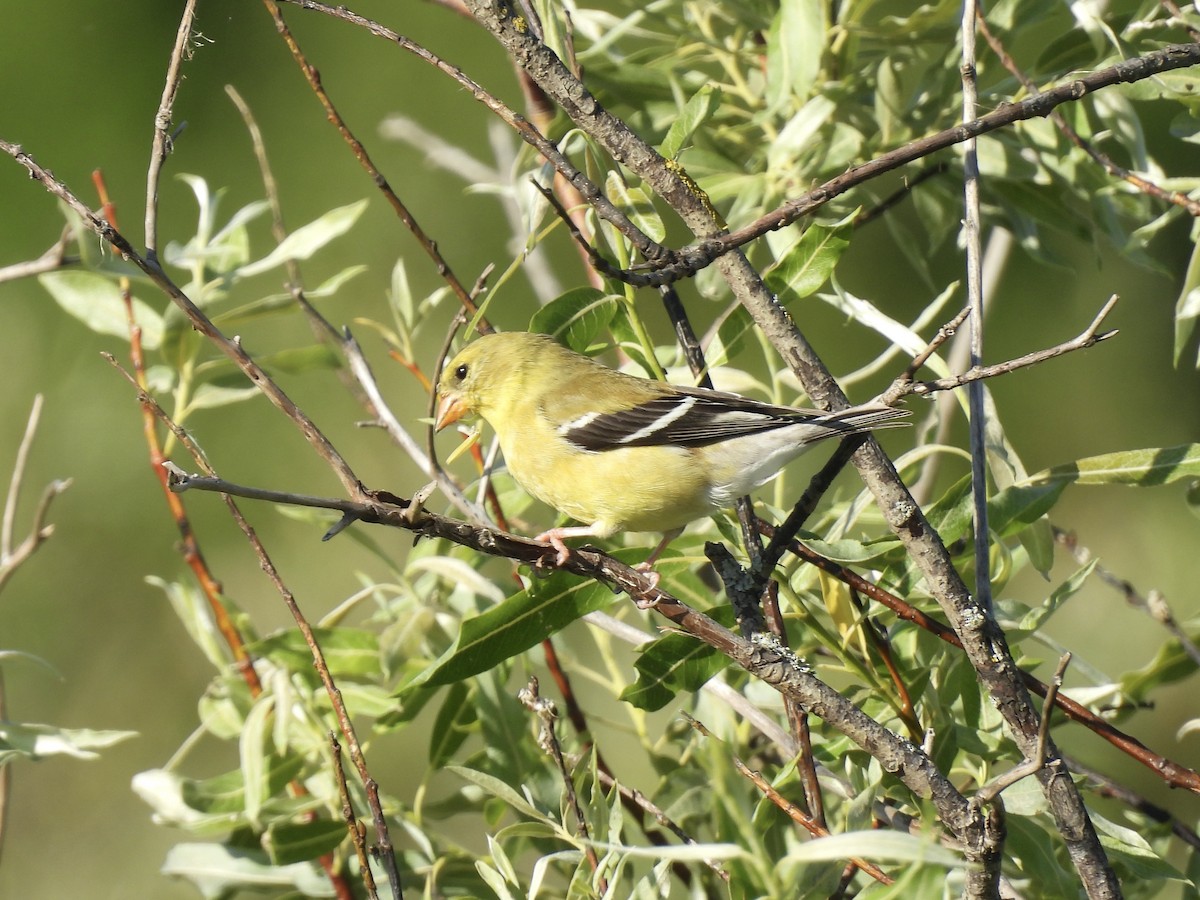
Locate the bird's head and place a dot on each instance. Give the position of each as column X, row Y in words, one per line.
column 486, row 373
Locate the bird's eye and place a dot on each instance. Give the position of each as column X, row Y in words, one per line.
column 461, row 372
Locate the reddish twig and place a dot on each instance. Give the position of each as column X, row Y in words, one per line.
column 1171, row 772
column 1106, row 162
column 313, row 77
column 795, row 813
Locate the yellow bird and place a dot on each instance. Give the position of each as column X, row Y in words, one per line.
column 621, row 453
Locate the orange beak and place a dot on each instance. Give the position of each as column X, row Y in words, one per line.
column 451, row 408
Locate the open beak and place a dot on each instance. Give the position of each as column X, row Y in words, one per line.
column 450, row 410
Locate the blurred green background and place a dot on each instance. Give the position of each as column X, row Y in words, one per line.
column 82, row 81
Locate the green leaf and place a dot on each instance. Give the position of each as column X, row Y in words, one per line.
column 1187, row 309
column 523, row 620
column 454, row 724
column 276, row 303
column 1035, row 618
column 220, row 871
column 695, row 113
column 1015, row 508
column 1139, row 468
column 294, row 842
column 193, row 610
column 502, row 791
column 226, row 793
column 1171, row 664
column 26, row 740
column 219, row 382
column 637, row 206
column 731, row 337
column 96, row 302
column 677, row 662
column 795, row 48
column 349, row 652
column 576, row 317
column 851, row 552
column 950, row 515
column 806, row 265
column 307, row 239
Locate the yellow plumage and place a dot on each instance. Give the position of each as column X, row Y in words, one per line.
column 620, row 453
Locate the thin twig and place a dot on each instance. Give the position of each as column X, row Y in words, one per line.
column 898, row 196
column 795, row 813
column 944, row 333
column 162, row 127
column 360, row 370
column 990, row 791
column 353, row 826
column 11, row 558
column 383, row 848
column 548, row 741
column 1089, row 337
column 313, row 77
column 1153, row 603
column 53, row 259
column 590, row 193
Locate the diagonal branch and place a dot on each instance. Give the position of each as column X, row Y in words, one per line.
column 232, row 348
column 1089, row 337
column 982, row 638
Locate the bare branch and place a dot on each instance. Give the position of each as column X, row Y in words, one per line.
column 54, row 258
column 993, row 789
column 231, row 348
column 162, row 126
column 11, row 558
column 1089, row 337
column 689, row 260
column 1153, row 603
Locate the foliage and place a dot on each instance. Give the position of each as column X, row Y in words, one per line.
column 758, row 102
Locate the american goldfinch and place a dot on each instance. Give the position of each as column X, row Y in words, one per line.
column 620, row 453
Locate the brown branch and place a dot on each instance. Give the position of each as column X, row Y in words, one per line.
column 54, row 258
column 355, row 828
column 189, row 545
column 162, row 125
column 1089, row 337
column 231, row 348
column 689, row 260
column 313, row 77
column 800, row 817
column 1173, row 773
column 588, row 190
column 791, row 810
column 1106, row 162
